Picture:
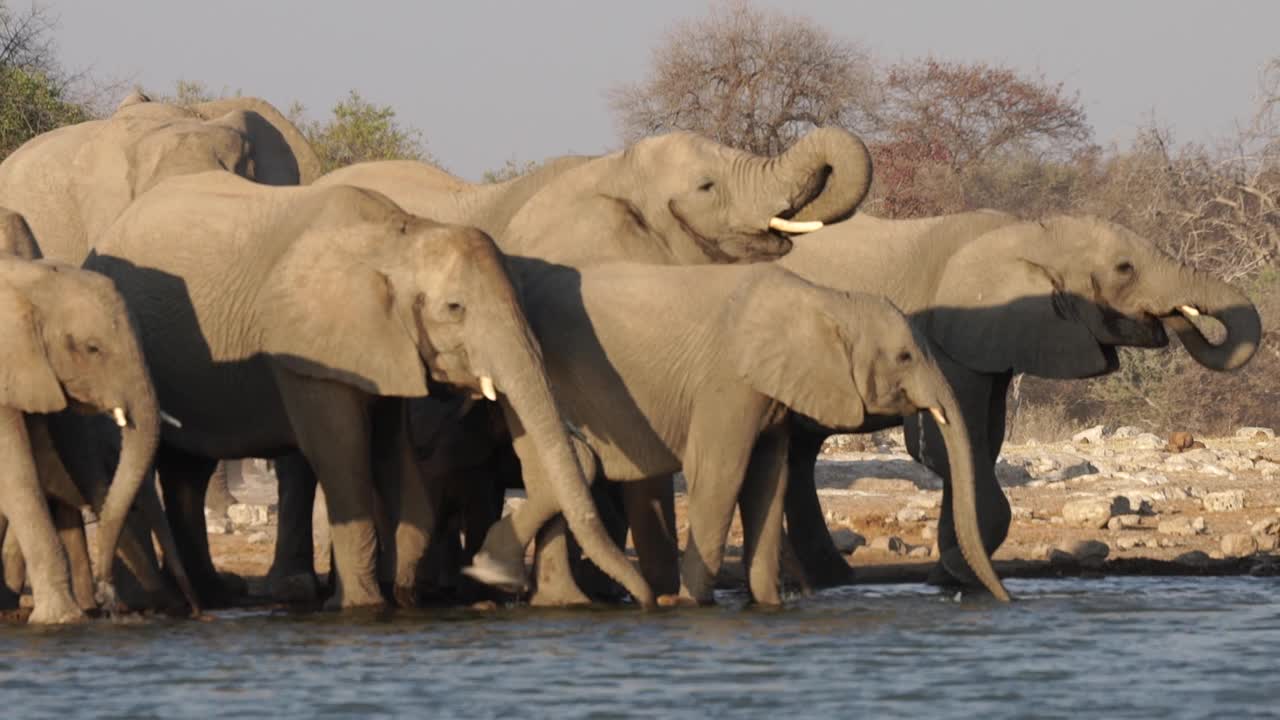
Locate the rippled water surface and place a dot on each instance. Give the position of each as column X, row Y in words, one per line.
column 1122, row 647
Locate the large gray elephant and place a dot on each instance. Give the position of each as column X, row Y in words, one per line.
column 698, row 369
column 276, row 319
column 1000, row 296
column 72, row 182
column 674, row 199
column 69, row 345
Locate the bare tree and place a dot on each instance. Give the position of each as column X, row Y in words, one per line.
column 749, row 78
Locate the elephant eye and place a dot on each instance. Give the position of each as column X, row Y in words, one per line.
column 1124, row 268
column 707, row 185
column 456, row 309
column 92, row 348
column 904, row 357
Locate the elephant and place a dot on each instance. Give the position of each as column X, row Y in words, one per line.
column 673, row 199
column 69, row 346
column 997, row 296
column 70, row 183
column 699, row 368
column 277, row 319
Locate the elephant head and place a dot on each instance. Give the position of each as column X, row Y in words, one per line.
column 837, row 357
column 421, row 303
column 681, row 198
column 1055, row 299
column 72, row 346
column 15, row 236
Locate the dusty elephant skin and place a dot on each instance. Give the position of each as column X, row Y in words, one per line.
column 71, row 183
column 299, row 318
column 708, row 390
column 70, row 345
column 998, row 296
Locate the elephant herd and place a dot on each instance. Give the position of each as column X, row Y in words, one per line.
column 181, row 286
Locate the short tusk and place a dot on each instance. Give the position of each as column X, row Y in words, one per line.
column 486, row 388
column 121, row 419
column 167, row 418
column 793, row 227
column 1189, row 311
column 938, row 415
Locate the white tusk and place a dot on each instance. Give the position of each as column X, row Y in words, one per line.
column 1189, row 311
column 793, row 227
column 121, row 419
column 487, row 389
column 938, row 415
column 167, row 418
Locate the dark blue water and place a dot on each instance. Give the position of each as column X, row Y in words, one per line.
column 1121, row 647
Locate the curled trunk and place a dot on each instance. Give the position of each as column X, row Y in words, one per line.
column 1225, row 303
column 826, row 175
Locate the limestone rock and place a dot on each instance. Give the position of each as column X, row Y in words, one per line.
column 1224, row 501
column 1094, row 512
column 1126, row 432
column 258, row 538
column 846, row 540
column 1092, row 435
column 246, row 515
column 889, row 543
column 1194, row 558
column 1089, row 552
column 1124, row 522
column 1266, row 526
column 912, row 515
column 1148, row 441
column 1070, row 472
column 1238, row 544
column 919, row 551
column 1256, row 433
column 1176, row 526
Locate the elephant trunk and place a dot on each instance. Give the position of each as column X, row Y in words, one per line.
column 520, row 375
column 1199, row 293
column 140, row 436
column 825, row 175
column 964, row 497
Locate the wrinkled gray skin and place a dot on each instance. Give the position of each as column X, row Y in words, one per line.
column 672, row 199
column 741, row 348
column 999, row 296
column 276, row 319
column 69, row 345
column 72, row 182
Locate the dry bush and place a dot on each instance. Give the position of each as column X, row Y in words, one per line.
column 1045, row 422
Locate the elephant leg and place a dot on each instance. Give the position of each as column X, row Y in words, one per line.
column 11, row 581
column 333, row 427
column 412, row 502
column 184, row 481
column 982, row 399
column 22, row 500
column 292, row 577
column 70, row 524
column 715, row 464
column 553, row 555
column 651, row 513
column 823, row 564
column 761, row 502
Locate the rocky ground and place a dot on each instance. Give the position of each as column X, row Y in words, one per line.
column 1110, row 501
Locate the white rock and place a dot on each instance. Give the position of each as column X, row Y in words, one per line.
column 1266, row 526
column 1199, row 525
column 1124, row 432
column 1124, row 522
column 1236, row 462
column 1223, row 501
column 258, row 538
column 1238, row 544
column 889, row 543
column 1148, row 441
column 846, row 540
column 928, row 532
column 1070, row 472
column 218, row 525
column 912, row 515
column 1094, row 512
column 1252, row 433
column 926, row 500
column 1176, row 526
column 920, row 551
column 1130, row 542
column 1267, row 468
column 1214, row 470
column 1089, row 551
column 1092, row 435
column 1267, row 543
column 245, row 515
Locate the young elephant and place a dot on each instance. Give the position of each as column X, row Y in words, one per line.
column 69, row 343
column 698, row 368
column 299, row 318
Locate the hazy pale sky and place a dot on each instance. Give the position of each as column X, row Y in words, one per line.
column 487, row 80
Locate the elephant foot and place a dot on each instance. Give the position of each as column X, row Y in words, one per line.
column 676, row 600
column 952, row 572
column 406, row 596
column 488, row 570
column 62, row 612
column 301, row 587
column 364, row 595
column 559, row 595
column 829, row 572
column 107, row 599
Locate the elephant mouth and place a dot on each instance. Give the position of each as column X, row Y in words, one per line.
column 762, row 246
column 1119, row 329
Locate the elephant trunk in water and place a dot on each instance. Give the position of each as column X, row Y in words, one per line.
column 825, row 175
column 964, row 499
column 520, row 376
column 1198, row 293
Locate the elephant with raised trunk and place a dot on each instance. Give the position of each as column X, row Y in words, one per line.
column 1000, row 296
column 277, row 319
column 69, row 345
column 674, row 199
column 699, row 369
column 72, row 182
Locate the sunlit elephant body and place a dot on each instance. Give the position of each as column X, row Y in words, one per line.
column 72, row 182
column 276, row 319
column 999, row 296
column 69, row 346
column 663, row 369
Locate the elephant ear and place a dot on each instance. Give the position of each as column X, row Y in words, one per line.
column 27, row 380
column 278, row 143
column 16, row 237
column 996, row 309
column 329, row 314
column 784, row 344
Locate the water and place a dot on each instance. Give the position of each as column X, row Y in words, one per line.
column 1119, row 647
